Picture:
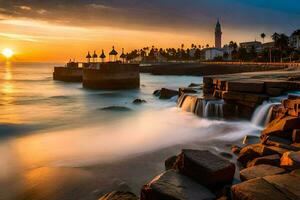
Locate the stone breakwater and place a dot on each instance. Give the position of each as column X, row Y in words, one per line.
column 268, row 167
column 204, row 69
column 67, row 74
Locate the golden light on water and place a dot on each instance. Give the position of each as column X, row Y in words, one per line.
column 7, row 53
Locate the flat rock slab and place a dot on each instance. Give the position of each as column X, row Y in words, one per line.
column 268, row 160
column 173, row 186
column 290, row 160
column 257, row 189
column 205, row 167
column 289, row 184
column 119, row 196
column 259, row 171
column 252, row 86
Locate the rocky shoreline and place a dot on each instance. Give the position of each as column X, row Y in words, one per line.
column 267, row 167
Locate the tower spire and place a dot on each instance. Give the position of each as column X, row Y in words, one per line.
column 218, row 35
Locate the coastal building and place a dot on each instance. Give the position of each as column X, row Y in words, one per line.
column 252, row 45
column 218, row 35
column 294, row 40
column 268, row 45
column 213, row 53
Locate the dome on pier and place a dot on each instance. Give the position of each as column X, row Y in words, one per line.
column 113, row 52
column 95, row 55
column 88, row 55
column 102, row 54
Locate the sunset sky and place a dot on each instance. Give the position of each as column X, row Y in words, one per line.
column 40, row 30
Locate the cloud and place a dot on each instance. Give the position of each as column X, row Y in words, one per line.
column 24, row 7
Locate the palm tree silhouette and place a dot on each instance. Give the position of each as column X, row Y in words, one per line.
column 263, row 35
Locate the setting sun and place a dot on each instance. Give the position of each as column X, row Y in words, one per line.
column 8, row 53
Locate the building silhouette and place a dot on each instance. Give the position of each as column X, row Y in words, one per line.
column 218, row 35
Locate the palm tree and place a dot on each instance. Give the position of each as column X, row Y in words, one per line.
column 263, row 35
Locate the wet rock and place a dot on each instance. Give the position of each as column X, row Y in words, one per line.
column 117, row 195
column 251, row 139
column 259, row 171
column 272, row 140
column 256, row 189
column 296, row 136
column 187, row 91
column 268, row 160
column 169, row 163
column 252, row 86
column 274, row 92
column 226, row 155
column 167, row 93
column 195, row 85
column 156, row 93
column 139, row 101
column 290, row 160
column 173, row 186
column 116, row 108
column 250, row 152
column 257, row 99
column 235, row 149
column 288, row 184
column 282, row 127
column 205, row 167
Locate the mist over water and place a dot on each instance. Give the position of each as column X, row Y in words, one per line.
column 45, row 123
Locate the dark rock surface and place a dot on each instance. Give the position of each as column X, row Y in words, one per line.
column 167, row 93
column 173, row 186
column 205, row 167
column 116, row 195
column 268, row 160
column 139, row 101
column 256, row 189
column 169, row 163
column 259, row 171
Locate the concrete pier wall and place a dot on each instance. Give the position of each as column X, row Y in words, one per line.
column 112, row 76
column 204, row 69
column 67, row 74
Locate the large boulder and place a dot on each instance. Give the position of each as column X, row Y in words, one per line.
column 282, row 127
column 167, row 93
column 259, row 171
column 268, row 160
column 290, row 160
column 205, row 167
column 173, row 186
column 116, row 195
column 256, row 189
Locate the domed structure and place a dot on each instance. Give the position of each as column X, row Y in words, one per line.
column 102, row 56
column 95, row 56
column 88, row 57
column 113, row 54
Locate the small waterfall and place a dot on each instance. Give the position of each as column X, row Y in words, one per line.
column 213, row 109
column 263, row 113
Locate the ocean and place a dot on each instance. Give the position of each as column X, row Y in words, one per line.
column 61, row 141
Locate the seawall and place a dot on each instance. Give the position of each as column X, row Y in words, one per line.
column 112, row 76
column 204, row 69
column 67, row 74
